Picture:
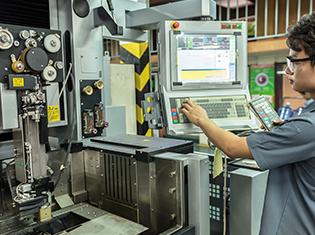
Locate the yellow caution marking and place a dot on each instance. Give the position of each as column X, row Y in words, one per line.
column 140, row 117
column 149, row 133
column 53, row 113
column 143, row 78
column 18, row 82
column 136, row 49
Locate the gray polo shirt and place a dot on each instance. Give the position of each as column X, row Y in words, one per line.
column 289, row 152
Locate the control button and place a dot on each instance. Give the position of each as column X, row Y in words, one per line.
column 174, row 113
column 223, row 26
column 174, row 110
column 234, row 26
column 175, row 25
column 174, row 117
column 239, row 26
column 175, row 121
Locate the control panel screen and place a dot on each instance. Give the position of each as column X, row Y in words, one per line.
column 206, row 58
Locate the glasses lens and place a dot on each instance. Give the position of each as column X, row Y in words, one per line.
column 290, row 65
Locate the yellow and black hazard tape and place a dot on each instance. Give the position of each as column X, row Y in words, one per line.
column 139, row 55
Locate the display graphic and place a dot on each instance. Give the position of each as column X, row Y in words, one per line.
column 206, row 58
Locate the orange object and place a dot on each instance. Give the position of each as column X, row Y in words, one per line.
column 175, row 25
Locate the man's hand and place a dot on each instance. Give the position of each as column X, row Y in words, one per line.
column 194, row 112
column 277, row 122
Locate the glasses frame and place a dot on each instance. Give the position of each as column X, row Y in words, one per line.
column 291, row 60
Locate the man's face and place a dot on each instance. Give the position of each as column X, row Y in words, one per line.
column 302, row 77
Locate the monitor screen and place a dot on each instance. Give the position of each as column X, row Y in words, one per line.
column 206, row 58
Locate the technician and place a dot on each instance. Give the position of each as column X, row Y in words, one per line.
column 288, row 151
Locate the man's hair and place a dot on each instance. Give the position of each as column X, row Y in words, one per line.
column 302, row 35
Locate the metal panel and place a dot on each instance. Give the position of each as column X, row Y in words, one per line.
column 150, row 17
column 119, row 194
column 198, row 192
column 77, row 177
column 246, row 211
column 92, row 175
column 8, row 102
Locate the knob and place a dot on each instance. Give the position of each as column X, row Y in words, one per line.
column 88, row 90
column 99, row 84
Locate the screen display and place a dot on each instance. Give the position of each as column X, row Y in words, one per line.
column 206, row 58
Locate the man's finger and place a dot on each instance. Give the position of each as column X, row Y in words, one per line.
column 190, row 103
column 185, row 111
column 187, row 106
column 278, row 122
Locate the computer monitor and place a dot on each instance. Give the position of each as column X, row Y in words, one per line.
column 206, row 58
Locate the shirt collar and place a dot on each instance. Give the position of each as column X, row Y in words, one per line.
column 310, row 106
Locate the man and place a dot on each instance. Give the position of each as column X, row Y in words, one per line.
column 288, row 150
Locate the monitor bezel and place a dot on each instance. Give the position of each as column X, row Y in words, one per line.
column 177, row 85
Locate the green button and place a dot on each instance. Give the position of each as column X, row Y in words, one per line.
column 239, row 26
column 175, row 121
column 228, row 26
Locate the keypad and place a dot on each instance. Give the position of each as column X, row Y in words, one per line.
column 218, row 107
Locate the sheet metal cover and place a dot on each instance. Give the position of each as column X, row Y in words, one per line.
column 131, row 144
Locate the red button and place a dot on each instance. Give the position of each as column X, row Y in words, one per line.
column 174, row 117
column 174, row 110
column 176, row 25
column 223, row 26
column 234, row 26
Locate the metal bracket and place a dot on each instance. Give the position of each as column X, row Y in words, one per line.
column 152, row 110
column 102, row 17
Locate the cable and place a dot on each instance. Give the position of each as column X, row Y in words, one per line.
column 69, row 144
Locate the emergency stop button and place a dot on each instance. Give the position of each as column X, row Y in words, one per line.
column 175, row 25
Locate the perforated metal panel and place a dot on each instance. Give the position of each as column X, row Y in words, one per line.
column 32, row 13
column 120, row 177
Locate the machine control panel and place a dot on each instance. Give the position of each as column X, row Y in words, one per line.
column 217, row 107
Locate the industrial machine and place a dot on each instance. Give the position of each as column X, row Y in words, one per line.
column 65, row 169
column 32, row 75
column 68, row 165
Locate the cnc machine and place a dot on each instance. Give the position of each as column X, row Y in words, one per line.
column 65, row 173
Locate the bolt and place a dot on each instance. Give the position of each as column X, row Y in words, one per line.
column 172, row 174
column 4, row 39
column 53, row 43
column 172, row 190
column 51, row 73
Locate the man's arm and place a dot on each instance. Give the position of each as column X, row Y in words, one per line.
column 231, row 144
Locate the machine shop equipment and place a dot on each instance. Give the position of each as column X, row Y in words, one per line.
column 66, row 173
column 29, row 84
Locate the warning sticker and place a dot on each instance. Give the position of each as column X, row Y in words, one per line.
column 53, row 113
column 18, row 82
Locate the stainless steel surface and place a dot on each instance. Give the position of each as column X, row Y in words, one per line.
column 198, row 192
column 39, row 156
column 8, row 108
column 77, row 177
column 149, row 18
column 102, row 222
column 247, row 199
column 92, row 167
column 151, row 193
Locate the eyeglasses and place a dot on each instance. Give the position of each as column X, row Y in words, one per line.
column 292, row 62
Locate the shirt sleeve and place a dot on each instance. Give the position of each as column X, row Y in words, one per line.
column 294, row 141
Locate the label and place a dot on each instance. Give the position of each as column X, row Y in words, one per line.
column 53, row 113
column 18, row 82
